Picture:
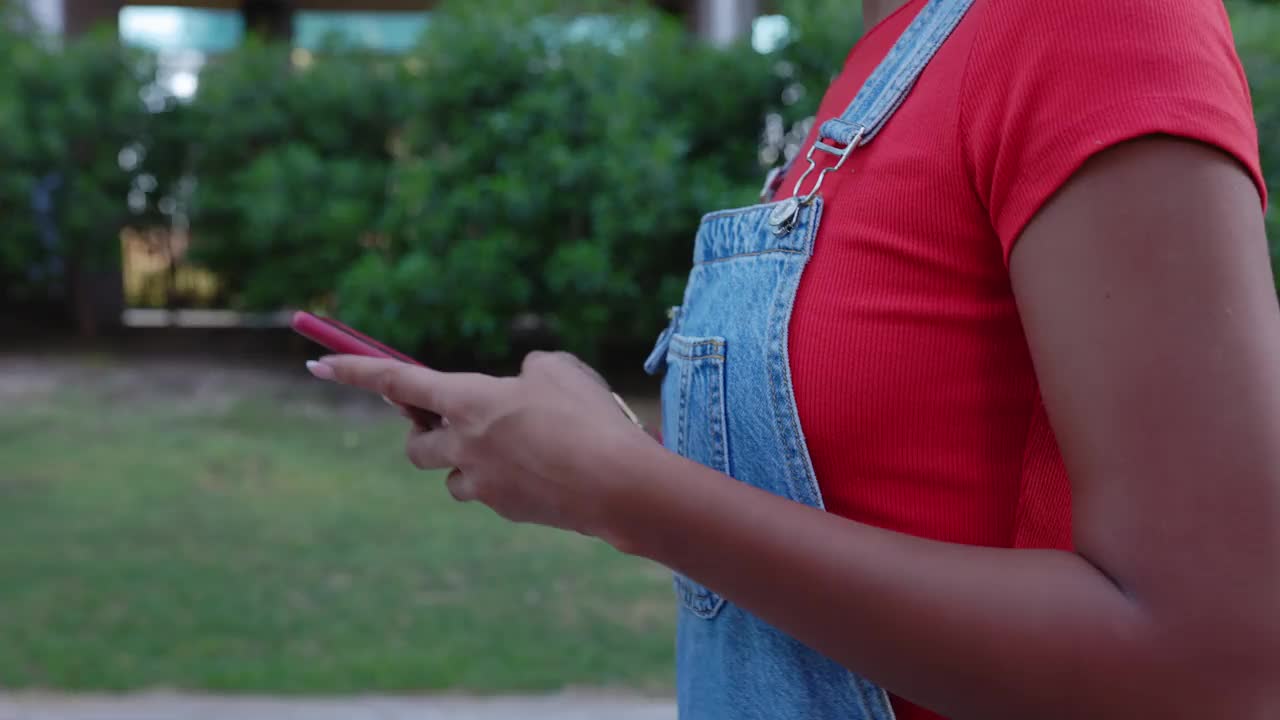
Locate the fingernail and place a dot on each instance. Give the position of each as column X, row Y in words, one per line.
column 388, row 401
column 320, row 370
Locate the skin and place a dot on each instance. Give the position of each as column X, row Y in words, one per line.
column 1149, row 306
column 1148, row 301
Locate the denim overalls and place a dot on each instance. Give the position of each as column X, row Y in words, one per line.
column 727, row 403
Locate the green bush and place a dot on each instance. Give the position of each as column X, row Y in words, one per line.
column 290, row 167
column 529, row 164
column 821, row 35
column 64, row 119
column 20, row 247
column 1257, row 30
column 555, row 178
column 67, row 117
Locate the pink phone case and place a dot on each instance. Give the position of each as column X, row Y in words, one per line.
column 346, row 341
column 343, row 340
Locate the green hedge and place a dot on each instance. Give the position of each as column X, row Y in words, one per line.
column 518, row 167
column 1257, row 30
column 66, row 119
column 291, row 170
column 555, row 179
column 505, row 169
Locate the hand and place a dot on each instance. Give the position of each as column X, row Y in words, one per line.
column 535, row 448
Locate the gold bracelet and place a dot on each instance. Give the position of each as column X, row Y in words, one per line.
column 626, row 409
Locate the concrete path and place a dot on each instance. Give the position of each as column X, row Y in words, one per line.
column 166, row 706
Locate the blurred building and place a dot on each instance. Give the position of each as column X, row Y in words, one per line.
column 720, row 21
column 185, row 34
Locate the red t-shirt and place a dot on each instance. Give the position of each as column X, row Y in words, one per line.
column 913, row 379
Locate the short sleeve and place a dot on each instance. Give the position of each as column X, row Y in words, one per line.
column 1050, row 83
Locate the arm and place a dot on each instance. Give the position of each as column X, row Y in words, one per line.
column 1149, row 306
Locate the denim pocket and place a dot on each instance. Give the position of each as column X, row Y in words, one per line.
column 695, row 426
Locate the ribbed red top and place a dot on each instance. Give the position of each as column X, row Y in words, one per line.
column 913, row 379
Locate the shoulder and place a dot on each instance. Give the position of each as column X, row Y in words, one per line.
column 1093, row 23
column 1182, row 47
column 1048, row 84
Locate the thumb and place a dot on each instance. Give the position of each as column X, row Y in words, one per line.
column 460, row 486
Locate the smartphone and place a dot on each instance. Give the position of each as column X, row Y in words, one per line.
column 344, row 340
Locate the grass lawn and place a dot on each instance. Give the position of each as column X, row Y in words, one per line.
column 245, row 530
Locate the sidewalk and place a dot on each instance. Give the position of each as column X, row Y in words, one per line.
column 169, row 706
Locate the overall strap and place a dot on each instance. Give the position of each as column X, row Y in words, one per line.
column 883, row 92
column 892, row 81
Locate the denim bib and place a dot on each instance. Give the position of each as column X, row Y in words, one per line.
column 727, row 402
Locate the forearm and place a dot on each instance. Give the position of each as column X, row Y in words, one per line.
column 971, row 632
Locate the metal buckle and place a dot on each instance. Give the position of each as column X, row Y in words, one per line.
column 842, row 153
column 786, row 213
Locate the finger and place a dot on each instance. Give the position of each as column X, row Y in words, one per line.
column 542, row 362
column 432, row 450
column 405, row 384
column 585, row 368
column 397, row 382
column 460, row 486
column 555, row 364
column 422, row 419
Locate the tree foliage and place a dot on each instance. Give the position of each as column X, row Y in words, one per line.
column 67, row 116
column 1257, row 31
column 535, row 163
column 555, row 172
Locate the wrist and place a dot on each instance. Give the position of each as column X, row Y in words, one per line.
column 631, row 477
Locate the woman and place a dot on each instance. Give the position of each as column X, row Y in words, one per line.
column 978, row 415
